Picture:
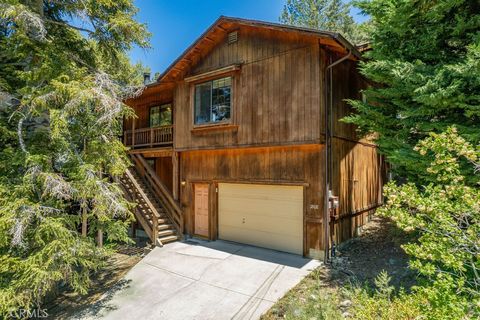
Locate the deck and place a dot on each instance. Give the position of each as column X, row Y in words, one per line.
column 148, row 137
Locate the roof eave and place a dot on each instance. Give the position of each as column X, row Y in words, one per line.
column 334, row 35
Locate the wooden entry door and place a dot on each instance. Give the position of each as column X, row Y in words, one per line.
column 201, row 209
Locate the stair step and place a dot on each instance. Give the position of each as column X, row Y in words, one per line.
column 160, row 221
column 168, row 239
column 165, row 233
column 165, row 226
column 166, row 230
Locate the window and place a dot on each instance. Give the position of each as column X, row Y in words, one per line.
column 161, row 115
column 213, row 101
column 151, row 162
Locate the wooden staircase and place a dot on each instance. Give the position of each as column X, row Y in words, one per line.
column 158, row 214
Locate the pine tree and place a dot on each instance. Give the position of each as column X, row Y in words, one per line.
column 425, row 64
column 63, row 77
column 329, row 15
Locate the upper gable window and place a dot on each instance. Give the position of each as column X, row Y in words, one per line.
column 213, row 101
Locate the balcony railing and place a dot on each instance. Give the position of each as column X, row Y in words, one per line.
column 148, row 137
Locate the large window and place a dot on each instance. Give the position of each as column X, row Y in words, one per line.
column 213, row 101
column 161, row 115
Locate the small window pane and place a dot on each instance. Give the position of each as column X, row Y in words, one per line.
column 161, row 115
column 213, row 101
column 202, row 103
column 165, row 116
column 154, row 116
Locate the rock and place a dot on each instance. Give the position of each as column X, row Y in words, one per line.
column 297, row 312
column 345, row 304
column 346, row 315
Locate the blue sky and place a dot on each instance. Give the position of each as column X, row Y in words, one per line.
column 175, row 24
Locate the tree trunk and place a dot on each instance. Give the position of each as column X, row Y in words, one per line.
column 100, row 238
column 84, row 222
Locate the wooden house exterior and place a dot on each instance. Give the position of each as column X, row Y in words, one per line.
column 251, row 138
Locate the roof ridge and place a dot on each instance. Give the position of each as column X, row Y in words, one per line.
column 258, row 23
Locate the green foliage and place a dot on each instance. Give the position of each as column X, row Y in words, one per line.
column 383, row 303
column 63, row 77
column 311, row 299
column 437, row 302
column 446, row 217
column 330, row 15
column 425, row 63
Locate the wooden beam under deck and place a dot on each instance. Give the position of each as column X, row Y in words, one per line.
column 153, row 152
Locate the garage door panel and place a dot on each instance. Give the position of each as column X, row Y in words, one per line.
column 265, row 239
column 264, row 192
column 253, row 222
column 275, row 211
column 264, row 215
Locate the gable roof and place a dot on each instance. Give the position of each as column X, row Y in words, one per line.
column 223, row 25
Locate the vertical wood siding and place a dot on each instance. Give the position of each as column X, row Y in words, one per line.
column 274, row 165
column 276, row 94
column 278, row 104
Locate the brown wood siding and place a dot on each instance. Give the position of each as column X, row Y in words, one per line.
column 347, row 84
column 274, row 165
column 357, row 179
column 357, row 168
column 141, row 107
column 278, row 110
column 276, row 94
column 164, row 170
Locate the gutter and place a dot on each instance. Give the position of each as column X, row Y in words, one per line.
column 328, row 125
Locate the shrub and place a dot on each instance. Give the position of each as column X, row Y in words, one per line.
column 446, row 217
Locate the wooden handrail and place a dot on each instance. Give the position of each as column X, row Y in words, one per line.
column 144, row 196
column 138, row 213
column 149, row 136
column 150, row 129
column 172, row 207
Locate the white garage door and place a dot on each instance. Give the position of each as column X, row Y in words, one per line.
column 269, row 216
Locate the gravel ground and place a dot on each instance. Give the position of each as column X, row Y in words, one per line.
column 378, row 249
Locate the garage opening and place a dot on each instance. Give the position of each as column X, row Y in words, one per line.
column 269, row 216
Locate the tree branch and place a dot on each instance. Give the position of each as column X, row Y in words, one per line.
column 63, row 23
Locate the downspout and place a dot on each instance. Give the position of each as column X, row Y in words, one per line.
column 328, row 109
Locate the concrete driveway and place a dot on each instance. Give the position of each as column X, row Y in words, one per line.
column 202, row 280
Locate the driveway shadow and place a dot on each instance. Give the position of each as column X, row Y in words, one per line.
column 257, row 253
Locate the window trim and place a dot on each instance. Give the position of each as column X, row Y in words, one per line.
column 214, row 74
column 223, row 123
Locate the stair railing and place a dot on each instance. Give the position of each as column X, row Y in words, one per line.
column 172, row 207
column 156, row 215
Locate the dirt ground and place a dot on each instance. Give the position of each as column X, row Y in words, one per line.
column 378, row 249
column 67, row 304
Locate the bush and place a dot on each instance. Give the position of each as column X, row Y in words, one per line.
column 445, row 215
column 383, row 303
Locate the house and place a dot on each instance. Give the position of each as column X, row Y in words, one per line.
column 240, row 139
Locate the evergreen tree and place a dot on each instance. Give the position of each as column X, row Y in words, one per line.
column 329, row 15
column 63, row 77
column 425, row 63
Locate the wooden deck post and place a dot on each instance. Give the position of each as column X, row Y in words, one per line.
column 154, row 229
column 133, row 132
column 175, row 175
column 151, row 137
